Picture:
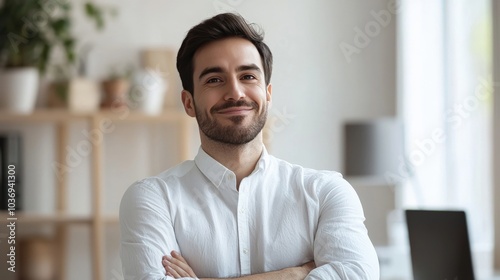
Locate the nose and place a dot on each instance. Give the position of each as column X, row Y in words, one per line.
column 234, row 90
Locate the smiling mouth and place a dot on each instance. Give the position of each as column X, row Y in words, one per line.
column 235, row 110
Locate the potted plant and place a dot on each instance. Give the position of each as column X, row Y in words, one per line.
column 27, row 35
column 116, row 86
column 30, row 30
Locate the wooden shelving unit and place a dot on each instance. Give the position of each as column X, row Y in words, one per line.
column 97, row 221
column 35, row 219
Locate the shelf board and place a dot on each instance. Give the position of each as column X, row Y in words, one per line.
column 32, row 218
column 126, row 115
column 108, row 219
column 62, row 115
column 44, row 115
column 28, row 218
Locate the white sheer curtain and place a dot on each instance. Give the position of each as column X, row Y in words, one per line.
column 445, row 88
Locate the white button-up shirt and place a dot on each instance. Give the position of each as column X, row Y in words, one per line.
column 282, row 216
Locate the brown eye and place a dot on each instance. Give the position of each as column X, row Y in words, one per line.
column 248, row 77
column 214, row 80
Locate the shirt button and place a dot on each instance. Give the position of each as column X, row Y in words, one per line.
column 245, row 251
column 242, row 211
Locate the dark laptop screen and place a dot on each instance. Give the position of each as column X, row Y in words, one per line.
column 439, row 245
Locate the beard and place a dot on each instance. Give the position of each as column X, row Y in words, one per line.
column 235, row 134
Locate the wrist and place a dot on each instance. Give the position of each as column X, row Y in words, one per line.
column 294, row 273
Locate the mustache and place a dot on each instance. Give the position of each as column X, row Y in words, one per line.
column 239, row 103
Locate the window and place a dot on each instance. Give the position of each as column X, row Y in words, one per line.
column 446, row 94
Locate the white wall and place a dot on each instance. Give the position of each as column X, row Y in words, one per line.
column 313, row 84
column 312, row 80
column 496, row 131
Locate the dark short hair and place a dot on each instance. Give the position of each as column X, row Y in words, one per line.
column 216, row 28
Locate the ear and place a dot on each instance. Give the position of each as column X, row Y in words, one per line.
column 188, row 102
column 269, row 92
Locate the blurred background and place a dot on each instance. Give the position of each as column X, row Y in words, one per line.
column 396, row 95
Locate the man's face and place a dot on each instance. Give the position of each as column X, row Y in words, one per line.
column 230, row 95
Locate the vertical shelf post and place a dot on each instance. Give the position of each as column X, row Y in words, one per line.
column 97, row 234
column 61, row 198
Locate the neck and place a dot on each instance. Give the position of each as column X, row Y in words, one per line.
column 241, row 159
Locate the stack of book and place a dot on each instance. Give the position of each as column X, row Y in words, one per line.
column 10, row 165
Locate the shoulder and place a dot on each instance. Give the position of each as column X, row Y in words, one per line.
column 322, row 183
column 309, row 175
column 330, row 185
column 155, row 187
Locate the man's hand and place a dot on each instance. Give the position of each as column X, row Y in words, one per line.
column 177, row 267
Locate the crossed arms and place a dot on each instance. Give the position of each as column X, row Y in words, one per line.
column 177, row 267
column 341, row 248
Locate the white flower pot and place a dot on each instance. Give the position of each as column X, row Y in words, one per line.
column 148, row 92
column 18, row 89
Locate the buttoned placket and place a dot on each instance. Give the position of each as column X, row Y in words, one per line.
column 243, row 227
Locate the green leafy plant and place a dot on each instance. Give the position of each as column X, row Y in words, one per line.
column 98, row 14
column 30, row 30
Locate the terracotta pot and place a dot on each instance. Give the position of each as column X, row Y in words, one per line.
column 115, row 93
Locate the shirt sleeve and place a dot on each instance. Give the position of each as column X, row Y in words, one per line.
column 342, row 248
column 146, row 229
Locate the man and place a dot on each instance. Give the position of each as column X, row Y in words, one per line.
column 236, row 211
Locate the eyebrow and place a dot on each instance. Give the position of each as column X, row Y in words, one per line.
column 209, row 70
column 218, row 69
column 248, row 67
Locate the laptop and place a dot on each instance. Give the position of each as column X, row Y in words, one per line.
column 439, row 245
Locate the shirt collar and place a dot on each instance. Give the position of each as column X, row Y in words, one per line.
column 216, row 172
